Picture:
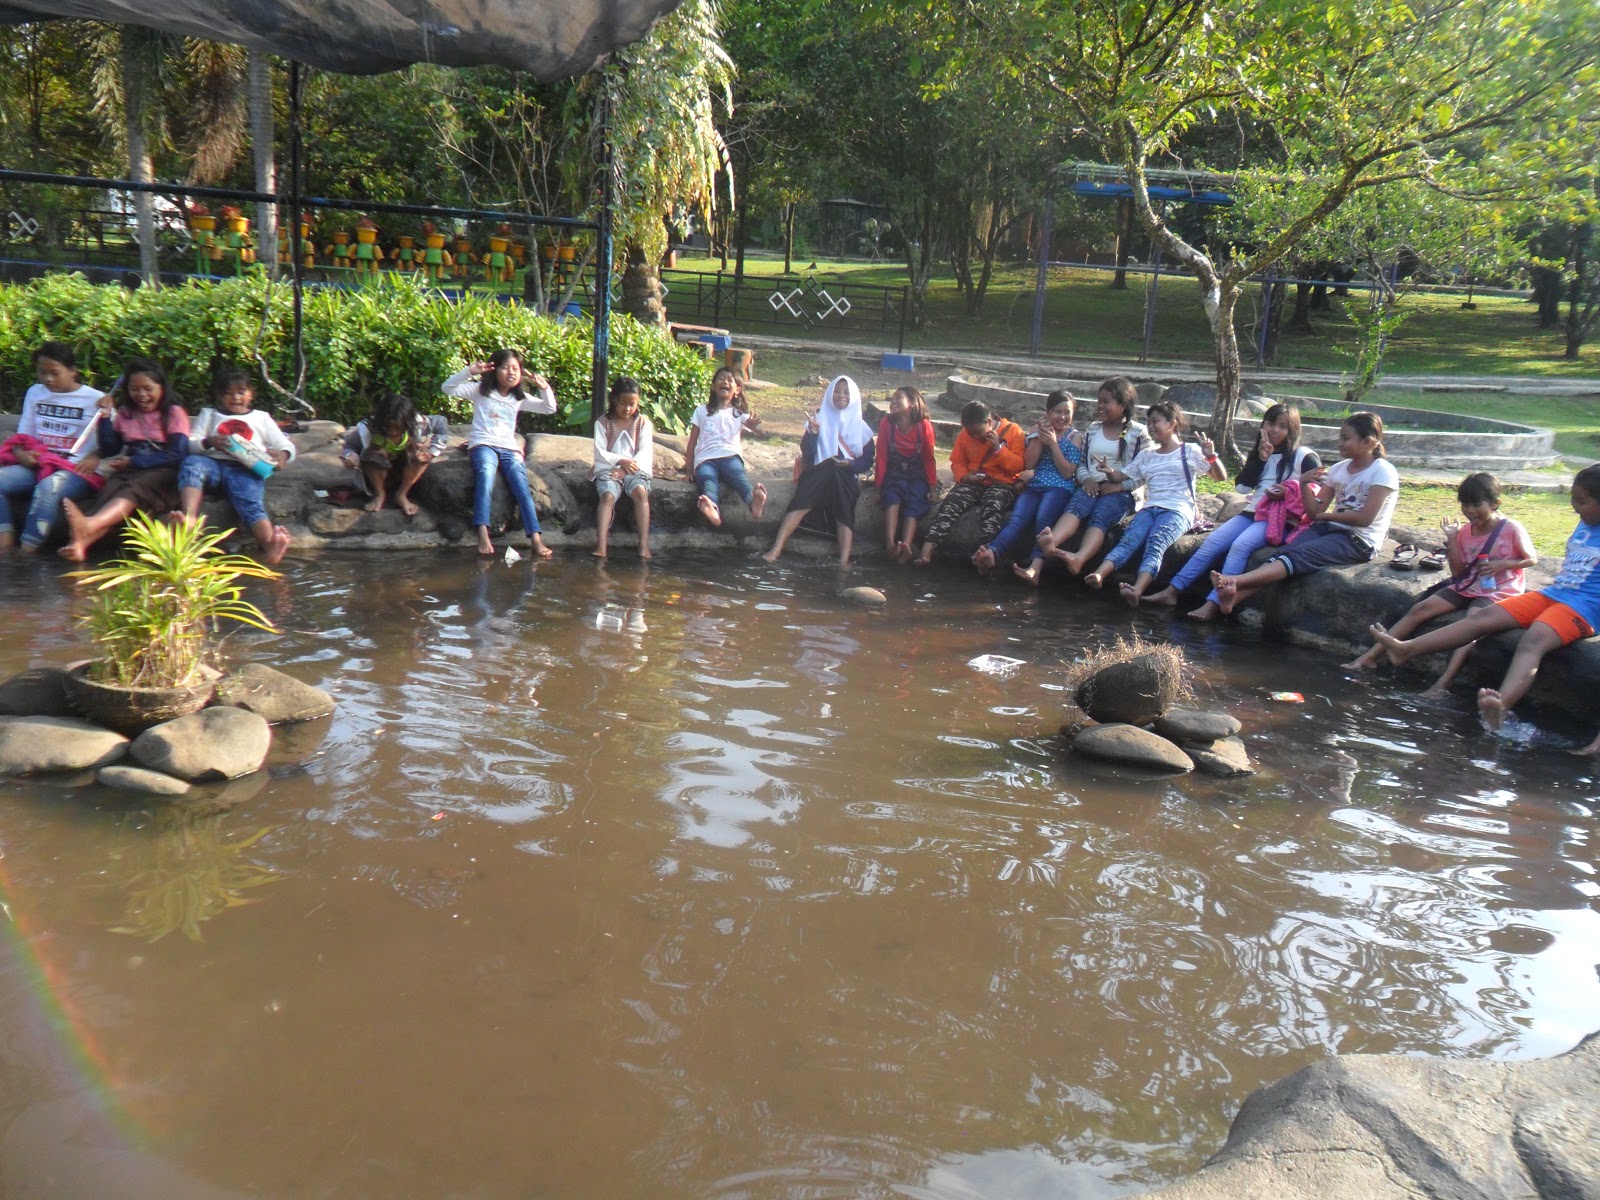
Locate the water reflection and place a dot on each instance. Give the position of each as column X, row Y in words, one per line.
column 186, row 871
column 744, row 892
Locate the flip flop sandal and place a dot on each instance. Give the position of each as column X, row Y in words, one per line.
column 1405, row 557
column 1433, row 560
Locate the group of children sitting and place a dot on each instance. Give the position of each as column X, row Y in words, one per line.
column 90, row 459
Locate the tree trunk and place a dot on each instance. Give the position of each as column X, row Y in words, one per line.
column 1219, row 305
column 642, row 297
column 788, row 239
column 263, row 155
column 136, row 52
column 1124, row 244
column 741, row 234
column 1578, row 269
column 1300, row 320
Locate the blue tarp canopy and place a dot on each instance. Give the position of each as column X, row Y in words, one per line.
column 1117, row 191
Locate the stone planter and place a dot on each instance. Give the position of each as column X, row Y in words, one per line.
column 132, row 710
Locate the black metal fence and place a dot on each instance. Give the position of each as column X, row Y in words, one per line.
column 801, row 303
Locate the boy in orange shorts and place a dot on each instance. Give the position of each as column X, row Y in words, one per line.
column 1565, row 612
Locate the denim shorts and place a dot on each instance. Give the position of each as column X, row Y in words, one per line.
column 618, row 488
column 1100, row 512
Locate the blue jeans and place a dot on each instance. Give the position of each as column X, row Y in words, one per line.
column 1154, row 529
column 1100, row 512
column 709, row 475
column 486, row 461
column 1035, row 509
column 45, row 509
column 244, row 487
column 1221, row 541
column 1246, row 544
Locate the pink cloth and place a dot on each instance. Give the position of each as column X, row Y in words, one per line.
column 1278, row 511
column 49, row 460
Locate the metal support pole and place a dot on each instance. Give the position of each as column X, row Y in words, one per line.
column 1150, row 308
column 602, row 262
column 1046, row 232
column 297, row 257
column 905, row 312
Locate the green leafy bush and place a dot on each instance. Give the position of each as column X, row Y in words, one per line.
column 395, row 334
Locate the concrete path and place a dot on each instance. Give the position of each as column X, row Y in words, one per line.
column 1021, row 364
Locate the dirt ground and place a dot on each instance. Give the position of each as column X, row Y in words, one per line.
column 785, row 383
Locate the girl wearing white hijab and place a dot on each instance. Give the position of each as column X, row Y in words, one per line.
column 837, row 448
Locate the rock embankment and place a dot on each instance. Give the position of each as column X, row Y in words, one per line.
column 1385, row 1127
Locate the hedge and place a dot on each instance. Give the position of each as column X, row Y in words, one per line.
column 395, row 334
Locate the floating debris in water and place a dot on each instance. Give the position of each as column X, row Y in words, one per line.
column 1286, row 697
column 997, row 665
column 512, row 556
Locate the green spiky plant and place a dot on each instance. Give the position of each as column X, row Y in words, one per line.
column 155, row 613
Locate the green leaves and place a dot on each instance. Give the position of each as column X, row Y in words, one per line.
column 395, row 334
column 153, row 613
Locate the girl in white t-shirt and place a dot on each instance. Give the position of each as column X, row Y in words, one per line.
column 1169, row 470
column 711, row 457
column 1349, row 509
column 50, row 455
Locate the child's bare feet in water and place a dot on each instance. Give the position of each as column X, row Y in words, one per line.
column 1395, row 648
column 758, row 500
column 1364, row 661
column 1492, row 709
column 1227, row 589
column 1075, row 562
column 1096, row 578
column 540, row 549
column 1046, row 540
column 1589, row 751
column 77, row 547
column 1206, row 612
column 276, row 546
column 1130, row 594
column 983, row 560
column 375, row 504
column 485, row 542
column 405, row 504
column 1437, row 688
column 1166, row 597
column 902, row 552
column 709, row 510
column 1031, row 572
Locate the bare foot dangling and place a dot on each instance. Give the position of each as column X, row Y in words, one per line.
column 709, row 510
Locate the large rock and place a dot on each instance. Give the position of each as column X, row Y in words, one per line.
column 141, row 782
column 214, row 743
column 272, row 695
column 1381, row 1127
column 36, row 693
column 38, row 745
column 1135, row 690
column 1225, row 756
column 1132, row 746
column 1192, row 397
column 1195, row 725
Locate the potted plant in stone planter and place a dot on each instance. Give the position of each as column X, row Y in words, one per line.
column 154, row 619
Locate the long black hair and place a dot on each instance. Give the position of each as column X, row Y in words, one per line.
column 486, row 382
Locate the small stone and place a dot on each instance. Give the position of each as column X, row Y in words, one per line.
column 871, row 597
column 1131, row 745
column 272, row 695
column 35, row 693
column 141, row 782
column 1194, row 725
column 1227, row 756
column 32, row 745
column 214, row 743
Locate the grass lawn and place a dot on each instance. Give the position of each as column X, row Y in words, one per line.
column 1085, row 315
column 1575, row 419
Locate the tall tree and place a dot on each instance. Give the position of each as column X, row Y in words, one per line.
column 1355, row 93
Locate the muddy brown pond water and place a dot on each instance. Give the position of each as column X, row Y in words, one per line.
column 696, row 881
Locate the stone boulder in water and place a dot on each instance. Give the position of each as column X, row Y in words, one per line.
column 1132, row 746
column 1134, row 690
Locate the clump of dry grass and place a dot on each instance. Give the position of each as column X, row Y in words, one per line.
column 1167, row 660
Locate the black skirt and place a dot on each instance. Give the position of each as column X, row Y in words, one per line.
column 830, row 490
